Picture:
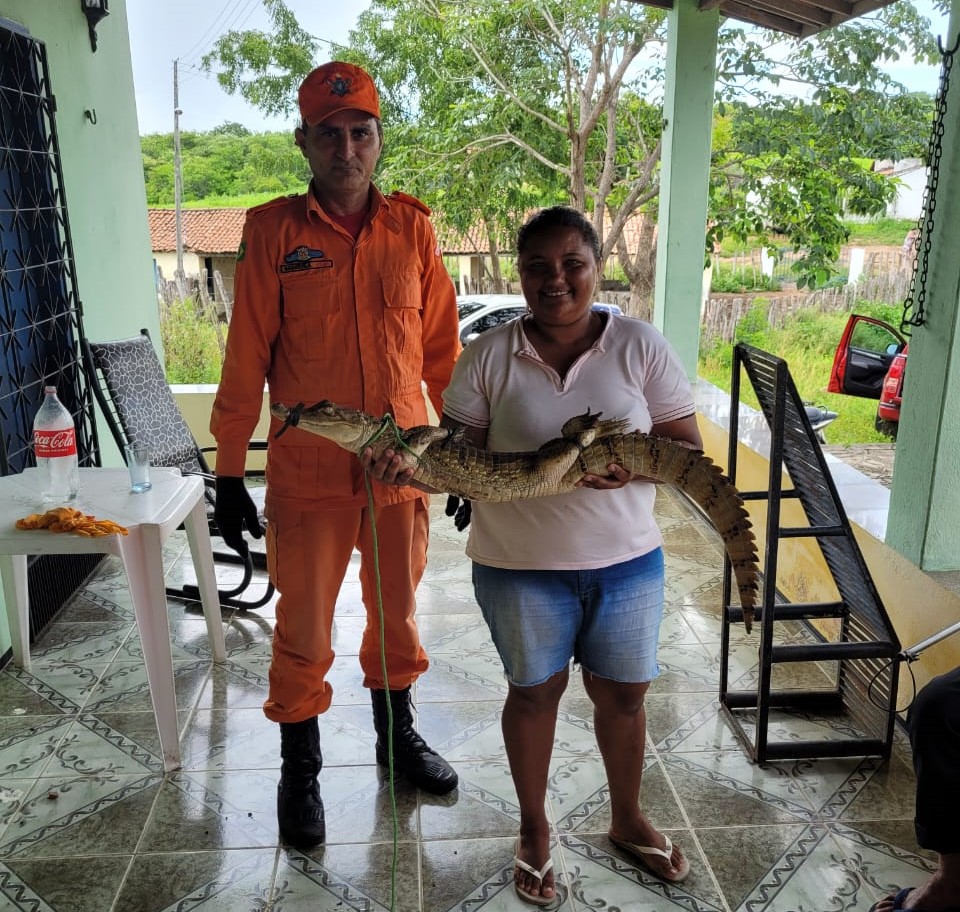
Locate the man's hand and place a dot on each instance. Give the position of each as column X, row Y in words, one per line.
column 460, row 510
column 234, row 508
column 389, row 469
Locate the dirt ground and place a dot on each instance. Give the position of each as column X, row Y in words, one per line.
column 875, row 460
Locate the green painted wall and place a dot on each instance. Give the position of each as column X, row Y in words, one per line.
column 102, row 166
column 925, row 496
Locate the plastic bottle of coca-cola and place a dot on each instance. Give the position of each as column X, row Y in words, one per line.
column 55, row 446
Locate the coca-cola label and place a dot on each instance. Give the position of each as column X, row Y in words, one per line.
column 47, row 444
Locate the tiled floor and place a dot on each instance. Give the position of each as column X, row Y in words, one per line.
column 90, row 823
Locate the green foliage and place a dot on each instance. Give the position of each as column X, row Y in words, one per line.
column 727, row 279
column 243, row 201
column 754, row 326
column 792, row 166
column 190, row 346
column 491, row 109
column 265, row 68
column 807, row 343
column 486, row 112
column 223, row 164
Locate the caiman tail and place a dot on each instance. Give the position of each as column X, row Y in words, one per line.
column 697, row 476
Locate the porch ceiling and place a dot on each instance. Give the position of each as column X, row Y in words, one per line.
column 800, row 18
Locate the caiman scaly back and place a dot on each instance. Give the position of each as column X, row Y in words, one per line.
column 442, row 459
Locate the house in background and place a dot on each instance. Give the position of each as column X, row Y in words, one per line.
column 211, row 239
column 912, row 176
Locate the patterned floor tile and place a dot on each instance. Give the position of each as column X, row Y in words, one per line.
column 87, row 884
column 347, row 877
column 81, row 811
column 602, row 876
column 199, row 882
column 89, row 822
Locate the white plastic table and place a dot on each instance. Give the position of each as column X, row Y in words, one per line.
column 149, row 517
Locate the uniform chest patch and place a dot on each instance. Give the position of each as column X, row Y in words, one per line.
column 304, row 257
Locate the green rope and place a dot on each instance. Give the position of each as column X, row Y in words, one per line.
column 386, row 682
column 385, row 422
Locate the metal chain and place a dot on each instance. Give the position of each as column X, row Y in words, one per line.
column 914, row 304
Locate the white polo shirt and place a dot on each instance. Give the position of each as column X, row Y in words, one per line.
column 500, row 383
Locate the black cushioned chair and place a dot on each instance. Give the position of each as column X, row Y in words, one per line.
column 130, row 386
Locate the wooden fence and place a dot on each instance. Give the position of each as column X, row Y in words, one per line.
column 216, row 309
column 722, row 312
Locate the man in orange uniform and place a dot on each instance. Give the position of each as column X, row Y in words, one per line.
column 341, row 294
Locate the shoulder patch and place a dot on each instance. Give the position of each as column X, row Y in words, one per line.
column 272, row 204
column 400, row 197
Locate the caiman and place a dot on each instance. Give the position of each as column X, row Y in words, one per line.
column 444, row 460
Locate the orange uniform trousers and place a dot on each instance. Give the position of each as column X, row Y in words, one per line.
column 307, row 557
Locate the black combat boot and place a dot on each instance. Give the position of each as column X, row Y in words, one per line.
column 412, row 756
column 299, row 808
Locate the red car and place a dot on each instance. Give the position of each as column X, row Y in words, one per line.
column 870, row 361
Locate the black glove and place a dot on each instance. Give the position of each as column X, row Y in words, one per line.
column 460, row 510
column 234, row 508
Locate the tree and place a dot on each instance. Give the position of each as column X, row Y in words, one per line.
column 496, row 107
column 796, row 164
column 222, row 163
column 525, row 93
column 263, row 67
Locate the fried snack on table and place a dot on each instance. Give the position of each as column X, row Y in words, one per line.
column 67, row 519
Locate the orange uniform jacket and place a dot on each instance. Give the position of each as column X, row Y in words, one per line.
column 323, row 317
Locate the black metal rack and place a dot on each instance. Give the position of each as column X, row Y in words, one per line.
column 862, row 648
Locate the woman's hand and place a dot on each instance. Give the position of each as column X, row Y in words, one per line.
column 618, row 476
column 389, row 469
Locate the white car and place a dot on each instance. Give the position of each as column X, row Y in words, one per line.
column 481, row 312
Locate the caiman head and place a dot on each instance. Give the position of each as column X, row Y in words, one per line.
column 346, row 427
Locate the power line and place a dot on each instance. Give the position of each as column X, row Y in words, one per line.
column 211, row 28
column 239, row 13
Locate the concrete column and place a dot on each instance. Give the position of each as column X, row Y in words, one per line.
column 925, row 495
column 684, row 176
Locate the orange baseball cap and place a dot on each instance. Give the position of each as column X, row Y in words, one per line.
column 336, row 87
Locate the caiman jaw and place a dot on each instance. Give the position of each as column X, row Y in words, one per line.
column 346, row 427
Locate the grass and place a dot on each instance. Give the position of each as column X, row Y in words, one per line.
column 727, row 279
column 190, row 345
column 885, row 232
column 247, row 201
column 807, row 344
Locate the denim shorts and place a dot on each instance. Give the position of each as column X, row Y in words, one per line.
column 607, row 620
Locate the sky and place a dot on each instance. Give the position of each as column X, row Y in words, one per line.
column 164, row 30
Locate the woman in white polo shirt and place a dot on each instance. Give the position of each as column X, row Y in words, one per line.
column 576, row 577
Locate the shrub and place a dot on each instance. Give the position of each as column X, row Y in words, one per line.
column 754, row 325
column 725, row 279
column 190, row 343
column 807, row 343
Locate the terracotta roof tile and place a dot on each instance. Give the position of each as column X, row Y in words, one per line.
column 204, row 230
column 209, row 231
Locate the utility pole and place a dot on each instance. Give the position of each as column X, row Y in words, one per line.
column 177, row 178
